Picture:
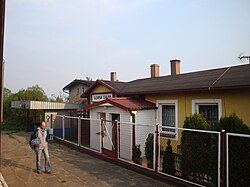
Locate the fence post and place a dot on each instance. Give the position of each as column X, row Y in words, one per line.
column 156, row 147
column 223, row 159
column 227, row 160
column 116, row 139
column 101, row 135
column 63, row 128
column 79, row 130
column 119, row 138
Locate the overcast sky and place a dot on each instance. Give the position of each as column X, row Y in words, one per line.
column 52, row 42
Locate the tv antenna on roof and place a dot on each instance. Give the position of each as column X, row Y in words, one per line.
column 241, row 57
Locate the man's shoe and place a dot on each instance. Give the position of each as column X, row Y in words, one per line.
column 48, row 172
column 39, row 172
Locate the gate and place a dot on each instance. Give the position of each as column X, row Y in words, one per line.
column 109, row 138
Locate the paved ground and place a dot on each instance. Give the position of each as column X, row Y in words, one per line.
column 70, row 168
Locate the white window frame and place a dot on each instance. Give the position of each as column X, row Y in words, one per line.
column 159, row 104
column 197, row 102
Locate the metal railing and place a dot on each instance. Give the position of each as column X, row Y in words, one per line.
column 190, row 155
column 198, row 157
column 132, row 138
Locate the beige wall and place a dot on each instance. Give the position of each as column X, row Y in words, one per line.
column 237, row 101
column 98, row 90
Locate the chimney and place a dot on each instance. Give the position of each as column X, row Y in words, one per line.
column 175, row 67
column 155, row 70
column 113, row 76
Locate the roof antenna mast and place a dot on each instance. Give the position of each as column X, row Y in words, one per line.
column 241, row 57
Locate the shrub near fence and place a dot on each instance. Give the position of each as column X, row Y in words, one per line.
column 199, row 152
column 195, row 155
column 238, row 149
column 238, row 159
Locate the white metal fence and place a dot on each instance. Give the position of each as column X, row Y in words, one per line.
column 189, row 155
column 77, row 130
column 132, row 141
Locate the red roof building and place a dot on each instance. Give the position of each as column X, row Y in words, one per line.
column 125, row 103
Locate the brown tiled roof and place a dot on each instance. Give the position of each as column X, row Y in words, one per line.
column 78, row 81
column 222, row 78
column 115, row 84
column 125, row 103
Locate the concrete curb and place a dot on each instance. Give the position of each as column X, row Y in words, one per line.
column 2, row 181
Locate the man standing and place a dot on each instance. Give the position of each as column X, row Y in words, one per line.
column 42, row 148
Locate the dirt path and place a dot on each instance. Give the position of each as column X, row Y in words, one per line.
column 70, row 168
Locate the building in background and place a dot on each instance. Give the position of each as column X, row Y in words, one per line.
column 169, row 99
column 215, row 93
column 50, row 110
column 75, row 89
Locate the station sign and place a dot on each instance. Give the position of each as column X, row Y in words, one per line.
column 100, row 97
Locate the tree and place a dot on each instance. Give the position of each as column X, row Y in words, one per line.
column 58, row 98
column 35, row 93
column 17, row 116
column 168, row 160
column 6, row 92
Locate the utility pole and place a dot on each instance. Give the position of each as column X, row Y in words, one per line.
column 2, row 19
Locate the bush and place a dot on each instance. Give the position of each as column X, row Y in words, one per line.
column 239, row 150
column 13, row 127
column 136, row 154
column 199, row 151
column 231, row 123
column 149, row 149
column 168, row 160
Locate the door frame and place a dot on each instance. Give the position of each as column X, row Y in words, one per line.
column 111, row 153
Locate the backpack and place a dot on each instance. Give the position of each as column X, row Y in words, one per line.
column 34, row 140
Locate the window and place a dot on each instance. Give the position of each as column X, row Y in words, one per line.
column 210, row 112
column 115, row 117
column 210, row 108
column 83, row 90
column 77, row 91
column 168, row 116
